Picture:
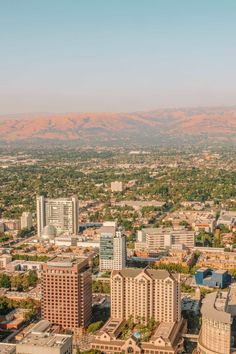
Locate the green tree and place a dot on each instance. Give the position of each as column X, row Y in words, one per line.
column 5, row 281
column 95, row 326
column 32, row 278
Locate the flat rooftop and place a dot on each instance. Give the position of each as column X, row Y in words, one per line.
column 64, row 261
column 203, row 269
column 232, row 295
column 41, row 326
column 45, row 339
column 214, row 307
column 164, row 330
column 220, row 271
column 112, row 325
column 107, row 230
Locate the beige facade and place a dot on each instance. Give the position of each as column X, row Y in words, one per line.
column 166, row 339
column 218, row 311
column 140, row 295
column 6, row 348
column 45, row 343
column 145, row 294
column 5, row 259
column 153, row 239
column 67, row 292
column 26, row 220
column 216, row 258
column 10, row 225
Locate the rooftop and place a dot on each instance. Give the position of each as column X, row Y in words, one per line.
column 134, row 272
column 45, row 339
column 7, row 348
column 65, row 261
column 164, row 330
column 214, row 307
column 107, row 230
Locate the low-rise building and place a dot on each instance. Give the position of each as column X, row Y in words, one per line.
column 14, row 319
column 166, row 339
column 216, row 258
column 153, row 239
column 117, row 186
column 213, row 278
column 24, row 266
column 139, row 204
column 41, row 340
column 198, row 220
column 6, row 348
column 10, row 224
column 227, row 218
column 5, row 259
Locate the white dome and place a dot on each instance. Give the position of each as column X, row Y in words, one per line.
column 49, row 232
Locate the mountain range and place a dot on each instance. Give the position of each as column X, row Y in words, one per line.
column 213, row 124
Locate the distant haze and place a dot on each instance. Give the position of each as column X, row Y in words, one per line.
column 152, row 127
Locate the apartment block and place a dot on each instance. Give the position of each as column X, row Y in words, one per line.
column 153, row 239
column 145, row 294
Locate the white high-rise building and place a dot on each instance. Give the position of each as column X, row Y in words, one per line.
column 26, row 220
column 62, row 213
column 119, row 251
column 112, row 247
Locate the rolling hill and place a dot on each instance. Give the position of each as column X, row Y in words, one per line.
column 215, row 124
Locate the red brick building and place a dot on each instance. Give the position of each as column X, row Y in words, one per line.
column 67, row 292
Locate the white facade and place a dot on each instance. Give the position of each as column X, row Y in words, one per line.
column 62, row 213
column 26, row 220
column 153, row 239
column 119, row 255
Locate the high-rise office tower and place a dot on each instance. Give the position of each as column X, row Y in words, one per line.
column 112, row 247
column 62, row 213
column 144, row 294
column 67, row 292
column 26, row 220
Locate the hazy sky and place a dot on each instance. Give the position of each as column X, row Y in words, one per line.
column 116, row 55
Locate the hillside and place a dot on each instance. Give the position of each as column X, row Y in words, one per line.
column 208, row 123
